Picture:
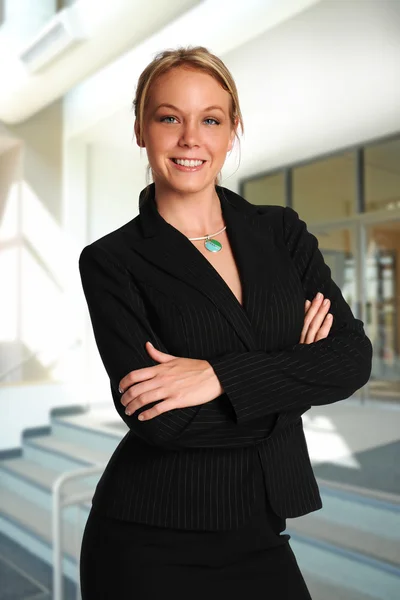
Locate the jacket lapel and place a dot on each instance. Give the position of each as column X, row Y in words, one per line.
column 170, row 250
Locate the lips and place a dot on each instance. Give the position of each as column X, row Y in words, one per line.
column 188, row 165
column 188, row 162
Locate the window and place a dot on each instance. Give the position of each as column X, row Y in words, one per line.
column 382, row 176
column 269, row 189
column 325, row 189
column 336, row 196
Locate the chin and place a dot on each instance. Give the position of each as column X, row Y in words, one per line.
column 190, row 187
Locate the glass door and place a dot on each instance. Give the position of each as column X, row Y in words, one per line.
column 382, row 307
column 339, row 248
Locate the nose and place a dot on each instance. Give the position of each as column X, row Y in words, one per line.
column 190, row 135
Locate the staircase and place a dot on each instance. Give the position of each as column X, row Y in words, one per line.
column 352, row 546
column 72, row 441
column 348, row 551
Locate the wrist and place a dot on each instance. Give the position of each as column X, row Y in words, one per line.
column 210, row 371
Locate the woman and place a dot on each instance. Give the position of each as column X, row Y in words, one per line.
column 248, row 331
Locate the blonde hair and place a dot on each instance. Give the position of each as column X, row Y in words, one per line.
column 198, row 58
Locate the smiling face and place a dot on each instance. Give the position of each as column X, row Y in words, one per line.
column 186, row 118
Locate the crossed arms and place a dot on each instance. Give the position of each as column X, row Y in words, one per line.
column 257, row 385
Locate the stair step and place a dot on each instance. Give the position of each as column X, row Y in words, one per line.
column 356, row 574
column 61, row 454
column 103, row 435
column 26, row 483
column 36, row 521
column 350, row 538
column 35, row 482
column 358, row 493
column 104, row 422
column 321, row 590
column 39, row 475
column 355, row 522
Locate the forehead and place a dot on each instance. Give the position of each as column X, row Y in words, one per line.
column 182, row 85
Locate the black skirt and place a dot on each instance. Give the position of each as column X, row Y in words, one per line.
column 133, row 561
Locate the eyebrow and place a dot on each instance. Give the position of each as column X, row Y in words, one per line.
column 214, row 107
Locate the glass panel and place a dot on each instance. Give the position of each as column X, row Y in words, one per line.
column 382, row 176
column 266, row 190
column 337, row 247
column 325, row 189
column 383, row 308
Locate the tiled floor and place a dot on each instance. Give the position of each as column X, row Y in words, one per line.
column 25, row 577
column 356, row 444
column 17, row 584
column 378, row 469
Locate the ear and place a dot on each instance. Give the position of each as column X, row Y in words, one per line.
column 137, row 134
column 233, row 134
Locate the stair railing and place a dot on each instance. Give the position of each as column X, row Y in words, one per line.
column 60, row 500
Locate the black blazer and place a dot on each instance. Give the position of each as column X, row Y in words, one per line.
column 194, row 468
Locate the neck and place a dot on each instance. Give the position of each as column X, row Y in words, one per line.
column 193, row 214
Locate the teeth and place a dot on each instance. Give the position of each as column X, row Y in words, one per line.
column 188, row 163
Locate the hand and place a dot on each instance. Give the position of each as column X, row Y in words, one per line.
column 179, row 382
column 317, row 320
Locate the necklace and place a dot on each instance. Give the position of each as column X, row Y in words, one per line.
column 211, row 244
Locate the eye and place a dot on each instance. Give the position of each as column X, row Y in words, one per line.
column 214, row 121
column 164, row 119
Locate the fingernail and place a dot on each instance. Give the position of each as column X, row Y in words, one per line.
column 329, row 316
column 128, row 412
column 325, row 302
column 319, row 296
column 151, row 344
column 120, row 391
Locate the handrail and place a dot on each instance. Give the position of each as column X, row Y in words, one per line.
column 58, row 504
column 32, row 355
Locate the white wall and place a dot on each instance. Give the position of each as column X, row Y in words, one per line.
column 25, row 406
column 41, row 136
column 115, row 178
column 218, row 24
column 326, row 79
column 102, row 187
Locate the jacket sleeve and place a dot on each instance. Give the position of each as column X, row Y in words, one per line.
column 121, row 328
column 259, row 383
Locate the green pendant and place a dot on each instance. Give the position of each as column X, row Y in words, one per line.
column 213, row 245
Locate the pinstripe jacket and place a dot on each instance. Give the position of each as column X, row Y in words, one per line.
column 194, row 468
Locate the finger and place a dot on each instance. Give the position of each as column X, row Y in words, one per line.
column 133, row 392
column 325, row 328
column 156, row 411
column 137, row 376
column 317, row 321
column 310, row 314
column 313, row 309
column 135, row 401
column 307, row 305
column 160, row 356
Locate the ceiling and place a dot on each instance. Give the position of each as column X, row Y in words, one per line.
column 202, row 25
column 112, row 28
